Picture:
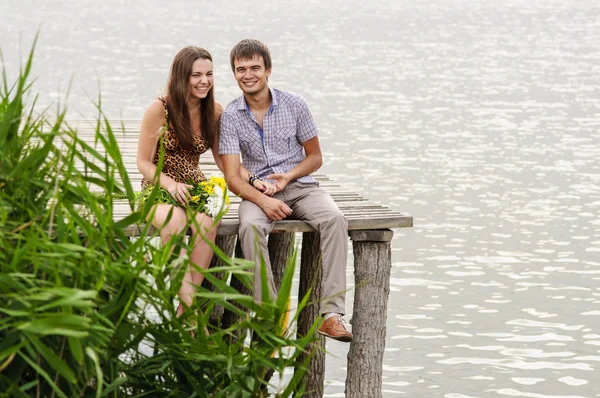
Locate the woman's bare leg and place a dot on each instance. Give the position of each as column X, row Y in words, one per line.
column 201, row 252
column 175, row 224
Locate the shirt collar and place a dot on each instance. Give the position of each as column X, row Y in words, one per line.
column 243, row 105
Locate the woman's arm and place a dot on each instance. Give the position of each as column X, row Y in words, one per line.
column 215, row 146
column 150, row 131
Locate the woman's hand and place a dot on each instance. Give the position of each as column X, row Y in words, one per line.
column 264, row 186
column 281, row 180
column 180, row 193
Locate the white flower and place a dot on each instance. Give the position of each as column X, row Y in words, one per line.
column 219, row 192
column 213, row 205
column 216, row 202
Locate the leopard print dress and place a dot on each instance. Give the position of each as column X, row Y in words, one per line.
column 180, row 164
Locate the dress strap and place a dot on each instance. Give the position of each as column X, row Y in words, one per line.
column 162, row 99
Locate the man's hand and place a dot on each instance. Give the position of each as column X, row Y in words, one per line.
column 265, row 187
column 280, row 181
column 275, row 209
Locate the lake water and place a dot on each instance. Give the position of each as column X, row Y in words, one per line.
column 479, row 118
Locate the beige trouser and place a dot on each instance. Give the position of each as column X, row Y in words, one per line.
column 314, row 206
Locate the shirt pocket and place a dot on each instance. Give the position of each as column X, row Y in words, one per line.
column 251, row 146
column 285, row 139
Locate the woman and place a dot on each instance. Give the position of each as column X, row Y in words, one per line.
column 187, row 118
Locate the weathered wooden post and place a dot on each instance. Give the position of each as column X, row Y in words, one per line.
column 227, row 244
column 372, row 267
column 280, row 245
column 229, row 318
column 310, row 276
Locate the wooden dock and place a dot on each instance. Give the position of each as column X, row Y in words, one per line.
column 370, row 229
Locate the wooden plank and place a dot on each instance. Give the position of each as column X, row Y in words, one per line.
column 351, row 206
column 230, row 226
column 348, row 213
column 360, row 212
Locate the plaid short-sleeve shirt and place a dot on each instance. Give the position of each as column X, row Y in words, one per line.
column 277, row 147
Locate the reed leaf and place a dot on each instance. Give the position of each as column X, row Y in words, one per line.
column 87, row 311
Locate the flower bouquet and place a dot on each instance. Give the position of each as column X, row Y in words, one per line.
column 209, row 196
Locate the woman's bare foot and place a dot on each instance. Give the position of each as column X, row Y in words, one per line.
column 180, row 310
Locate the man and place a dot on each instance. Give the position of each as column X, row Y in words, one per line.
column 275, row 134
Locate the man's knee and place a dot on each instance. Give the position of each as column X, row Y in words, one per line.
column 335, row 219
column 250, row 229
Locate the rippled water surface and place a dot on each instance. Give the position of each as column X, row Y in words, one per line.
column 479, row 118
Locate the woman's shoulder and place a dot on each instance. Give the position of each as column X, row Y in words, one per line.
column 155, row 113
column 157, row 106
column 158, row 103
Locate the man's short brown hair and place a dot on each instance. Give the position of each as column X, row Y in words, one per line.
column 247, row 49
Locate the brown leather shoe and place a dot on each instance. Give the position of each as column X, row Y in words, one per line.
column 334, row 327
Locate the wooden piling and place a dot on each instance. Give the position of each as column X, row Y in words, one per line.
column 310, row 277
column 372, row 267
column 280, row 245
column 227, row 245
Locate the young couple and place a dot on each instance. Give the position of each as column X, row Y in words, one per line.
column 276, row 137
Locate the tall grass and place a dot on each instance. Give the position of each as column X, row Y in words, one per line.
column 86, row 311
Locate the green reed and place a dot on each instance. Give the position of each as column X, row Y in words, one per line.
column 86, row 311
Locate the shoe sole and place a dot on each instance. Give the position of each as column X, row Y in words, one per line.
column 343, row 339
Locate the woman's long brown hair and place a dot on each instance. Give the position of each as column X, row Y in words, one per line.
column 177, row 88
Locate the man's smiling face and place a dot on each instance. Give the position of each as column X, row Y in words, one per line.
column 251, row 75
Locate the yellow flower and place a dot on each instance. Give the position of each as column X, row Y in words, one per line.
column 195, row 198
column 218, row 181
column 207, row 187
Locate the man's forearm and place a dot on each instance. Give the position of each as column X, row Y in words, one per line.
column 244, row 190
column 244, row 173
column 309, row 165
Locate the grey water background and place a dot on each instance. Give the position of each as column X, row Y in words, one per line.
column 479, row 118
